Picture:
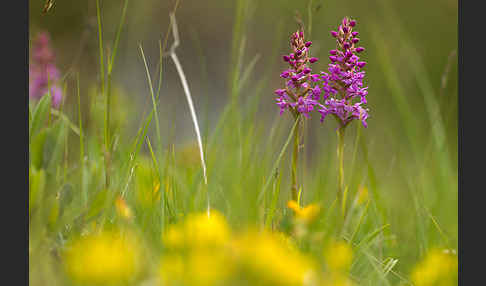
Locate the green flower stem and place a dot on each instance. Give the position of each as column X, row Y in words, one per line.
column 340, row 154
column 295, row 159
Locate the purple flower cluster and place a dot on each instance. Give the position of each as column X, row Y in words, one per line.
column 301, row 92
column 43, row 72
column 343, row 83
column 341, row 87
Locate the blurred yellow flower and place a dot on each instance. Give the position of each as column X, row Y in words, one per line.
column 202, row 267
column 362, row 195
column 172, row 269
column 337, row 279
column 197, row 251
column 198, row 230
column 270, row 259
column 122, row 208
column 306, row 214
column 338, row 256
column 102, row 259
column 437, row 268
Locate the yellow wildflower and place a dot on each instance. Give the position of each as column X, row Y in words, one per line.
column 198, row 230
column 338, row 256
column 206, row 260
column 200, row 267
column 102, row 259
column 337, row 279
column 306, row 214
column 122, row 208
column 269, row 259
column 362, row 195
column 172, row 269
column 437, row 268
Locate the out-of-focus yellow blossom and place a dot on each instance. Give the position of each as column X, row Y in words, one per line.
column 437, row 268
column 338, row 256
column 270, row 260
column 172, row 269
column 337, row 279
column 198, row 230
column 306, row 214
column 208, row 267
column 156, row 187
column 362, row 195
column 202, row 267
column 198, row 252
column 103, row 259
column 122, row 208
column 286, row 240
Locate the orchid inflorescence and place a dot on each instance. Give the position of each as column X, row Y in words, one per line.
column 339, row 91
column 43, row 72
column 301, row 90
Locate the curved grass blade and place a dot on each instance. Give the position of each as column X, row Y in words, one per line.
column 185, row 86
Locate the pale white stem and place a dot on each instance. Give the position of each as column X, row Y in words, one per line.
column 185, row 86
column 193, row 112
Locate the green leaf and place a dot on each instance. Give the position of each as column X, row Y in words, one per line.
column 37, row 179
column 37, row 149
column 59, row 131
column 54, row 213
column 40, row 115
column 368, row 239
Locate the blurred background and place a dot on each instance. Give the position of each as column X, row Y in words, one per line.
column 411, row 71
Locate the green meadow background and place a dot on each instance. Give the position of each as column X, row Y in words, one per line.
column 231, row 55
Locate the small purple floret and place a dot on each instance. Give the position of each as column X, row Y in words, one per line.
column 43, row 73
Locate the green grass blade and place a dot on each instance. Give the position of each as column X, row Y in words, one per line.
column 117, row 37
column 154, row 103
column 277, row 162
